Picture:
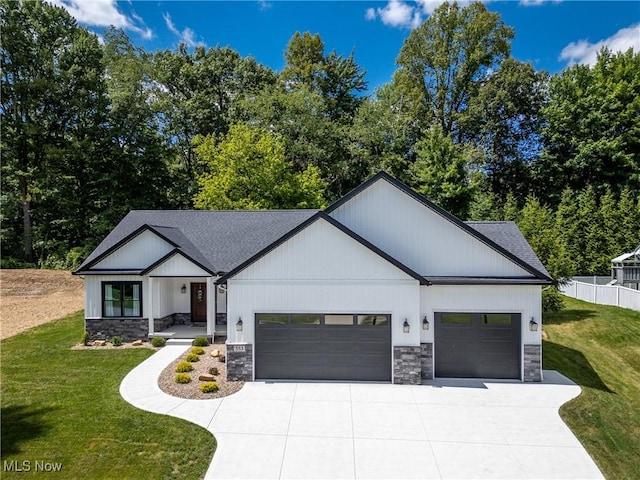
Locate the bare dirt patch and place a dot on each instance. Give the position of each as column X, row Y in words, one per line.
column 167, row 382
column 32, row 297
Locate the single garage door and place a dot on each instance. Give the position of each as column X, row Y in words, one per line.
column 323, row 346
column 479, row 345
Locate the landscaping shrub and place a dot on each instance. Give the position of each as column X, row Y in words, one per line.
column 116, row 341
column 184, row 367
column 201, row 342
column 214, row 371
column 85, row 338
column 158, row 342
column 209, row 387
column 192, row 357
column 183, row 378
column 197, row 350
column 552, row 300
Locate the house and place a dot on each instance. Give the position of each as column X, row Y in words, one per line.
column 625, row 269
column 381, row 286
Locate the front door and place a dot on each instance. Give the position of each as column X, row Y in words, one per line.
column 198, row 302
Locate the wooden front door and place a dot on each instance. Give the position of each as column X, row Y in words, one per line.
column 198, row 302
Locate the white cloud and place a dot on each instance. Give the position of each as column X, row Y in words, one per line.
column 103, row 13
column 264, row 5
column 396, row 14
column 585, row 52
column 187, row 35
column 399, row 13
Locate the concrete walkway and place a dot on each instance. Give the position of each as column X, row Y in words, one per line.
column 451, row 429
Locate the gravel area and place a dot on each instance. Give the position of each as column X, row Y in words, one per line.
column 191, row 390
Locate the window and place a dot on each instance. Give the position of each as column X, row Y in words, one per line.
column 338, row 319
column 302, row 319
column 456, row 318
column 272, row 319
column 373, row 320
column 496, row 318
column 122, row 299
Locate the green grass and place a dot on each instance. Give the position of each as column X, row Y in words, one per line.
column 598, row 347
column 63, row 406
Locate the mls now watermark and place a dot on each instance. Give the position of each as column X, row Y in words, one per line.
column 29, row 466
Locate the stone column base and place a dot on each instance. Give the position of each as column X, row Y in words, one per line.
column 240, row 362
column 406, row 365
column 533, row 363
column 426, row 360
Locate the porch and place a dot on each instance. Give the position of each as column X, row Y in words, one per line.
column 185, row 307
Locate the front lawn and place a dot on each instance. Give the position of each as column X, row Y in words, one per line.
column 598, row 347
column 62, row 406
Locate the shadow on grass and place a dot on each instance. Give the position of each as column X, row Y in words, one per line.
column 568, row 316
column 573, row 364
column 21, row 423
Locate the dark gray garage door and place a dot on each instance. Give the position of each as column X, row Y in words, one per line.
column 480, row 345
column 323, row 346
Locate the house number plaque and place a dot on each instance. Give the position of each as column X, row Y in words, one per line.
column 239, row 348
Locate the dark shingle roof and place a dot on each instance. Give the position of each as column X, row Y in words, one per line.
column 220, row 240
column 509, row 237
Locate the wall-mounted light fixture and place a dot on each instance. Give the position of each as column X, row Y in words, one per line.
column 533, row 325
column 425, row 323
column 405, row 326
column 239, row 324
column 183, row 289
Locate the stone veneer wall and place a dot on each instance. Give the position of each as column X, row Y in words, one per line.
column 533, row 363
column 240, row 363
column 129, row 329
column 221, row 318
column 426, row 360
column 406, row 365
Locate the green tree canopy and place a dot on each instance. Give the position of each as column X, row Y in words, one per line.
column 248, row 170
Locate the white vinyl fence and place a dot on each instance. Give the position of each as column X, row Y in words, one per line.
column 603, row 294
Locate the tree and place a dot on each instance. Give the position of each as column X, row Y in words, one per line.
column 592, row 132
column 444, row 61
column 440, row 173
column 248, row 170
column 197, row 94
column 504, row 121
column 53, row 111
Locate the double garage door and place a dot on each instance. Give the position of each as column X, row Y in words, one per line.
column 323, row 346
column 478, row 345
column 358, row 346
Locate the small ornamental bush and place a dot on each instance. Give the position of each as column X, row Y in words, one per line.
column 552, row 300
column 85, row 338
column 214, row 371
column 116, row 341
column 183, row 378
column 158, row 342
column 192, row 357
column 197, row 350
column 184, row 367
column 201, row 342
column 209, row 387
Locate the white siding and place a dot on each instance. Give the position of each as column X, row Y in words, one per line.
column 178, row 266
column 418, row 237
column 399, row 298
column 322, row 252
column 139, row 253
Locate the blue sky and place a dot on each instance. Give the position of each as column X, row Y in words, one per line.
column 549, row 34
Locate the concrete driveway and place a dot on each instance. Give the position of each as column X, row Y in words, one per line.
column 451, row 429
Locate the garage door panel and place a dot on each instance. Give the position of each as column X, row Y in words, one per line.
column 324, row 351
column 485, row 345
